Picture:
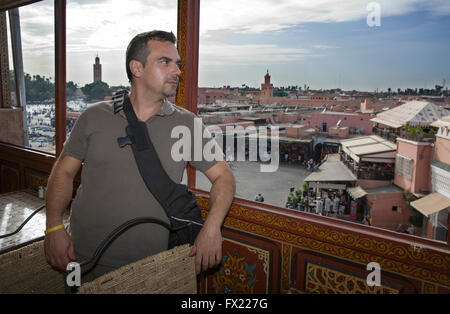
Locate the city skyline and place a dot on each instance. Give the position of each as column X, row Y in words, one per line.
column 323, row 44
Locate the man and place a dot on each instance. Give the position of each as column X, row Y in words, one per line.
column 335, row 204
column 319, row 206
column 112, row 190
column 327, row 206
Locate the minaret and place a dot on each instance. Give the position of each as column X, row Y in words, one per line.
column 266, row 90
column 267, row 78
column 97, row 70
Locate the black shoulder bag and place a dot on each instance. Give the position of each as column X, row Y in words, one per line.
column 179, row 203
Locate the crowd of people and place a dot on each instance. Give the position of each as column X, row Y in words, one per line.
column 293, row 154
column 334, row 205
column 324, row 206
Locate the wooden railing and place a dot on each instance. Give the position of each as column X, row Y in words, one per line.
column 268, row 249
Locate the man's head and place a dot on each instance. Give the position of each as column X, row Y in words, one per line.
column 138, row 49
column 153, row 64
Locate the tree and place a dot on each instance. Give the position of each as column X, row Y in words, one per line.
column 71, row 88
column 96, row 91
column 38, row 88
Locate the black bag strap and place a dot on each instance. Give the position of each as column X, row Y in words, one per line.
column 173, row 197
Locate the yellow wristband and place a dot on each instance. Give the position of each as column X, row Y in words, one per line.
column 49, row 230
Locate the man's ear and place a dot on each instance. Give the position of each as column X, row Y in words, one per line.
column 136, row 68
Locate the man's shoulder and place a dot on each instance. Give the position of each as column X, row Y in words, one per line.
column 106, row 106
column 177, row 110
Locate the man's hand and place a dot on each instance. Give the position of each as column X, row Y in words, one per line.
column 58, row 249
column 208, row 245
column 207, row 248
column 58, row 244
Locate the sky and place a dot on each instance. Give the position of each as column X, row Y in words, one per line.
column 323, row 44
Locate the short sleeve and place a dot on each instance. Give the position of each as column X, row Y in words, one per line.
column 211, row 152
column 77, row 143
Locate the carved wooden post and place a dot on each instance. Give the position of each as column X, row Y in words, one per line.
column 188, row 42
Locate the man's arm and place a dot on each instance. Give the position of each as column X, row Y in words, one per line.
column 208, row 245
column 58, row 245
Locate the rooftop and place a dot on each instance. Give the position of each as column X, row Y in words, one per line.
column 384, row 189
column 331, row 171
column 442, row 122
column 414, row 113
column 371, row 144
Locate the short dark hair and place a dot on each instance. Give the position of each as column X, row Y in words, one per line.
column 138, row 50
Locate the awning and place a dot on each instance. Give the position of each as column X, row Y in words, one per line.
column 331, row 171
column 431, row 204
column 385, row 122
column 328, row 186
column 357, row 192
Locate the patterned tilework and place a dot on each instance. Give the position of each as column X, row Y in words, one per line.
column 244, row 269
column 325, row 280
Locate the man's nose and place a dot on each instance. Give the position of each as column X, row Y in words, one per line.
column 177, row 70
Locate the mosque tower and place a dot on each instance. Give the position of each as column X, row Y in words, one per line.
column 266, row 90
column 97, row 70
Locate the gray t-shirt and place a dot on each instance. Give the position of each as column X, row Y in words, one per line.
column 112, row 190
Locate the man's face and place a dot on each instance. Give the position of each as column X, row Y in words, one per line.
column 162, row 70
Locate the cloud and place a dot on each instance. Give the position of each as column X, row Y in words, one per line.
column 106, row 27
column 322, row 47
column 97, row 25
column 229, row 54
column 256, row 16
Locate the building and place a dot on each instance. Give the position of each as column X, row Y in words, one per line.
column 266, row 90
column 370, row 105
column 369, row 157
column 331, row 178
column 269, row 249
column 415, row 114
column 375, row 198
column 208, row 96
column 97, row 70
column 323, row 121
column 436, row 205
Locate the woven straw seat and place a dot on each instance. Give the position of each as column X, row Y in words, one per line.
column 26, row 270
